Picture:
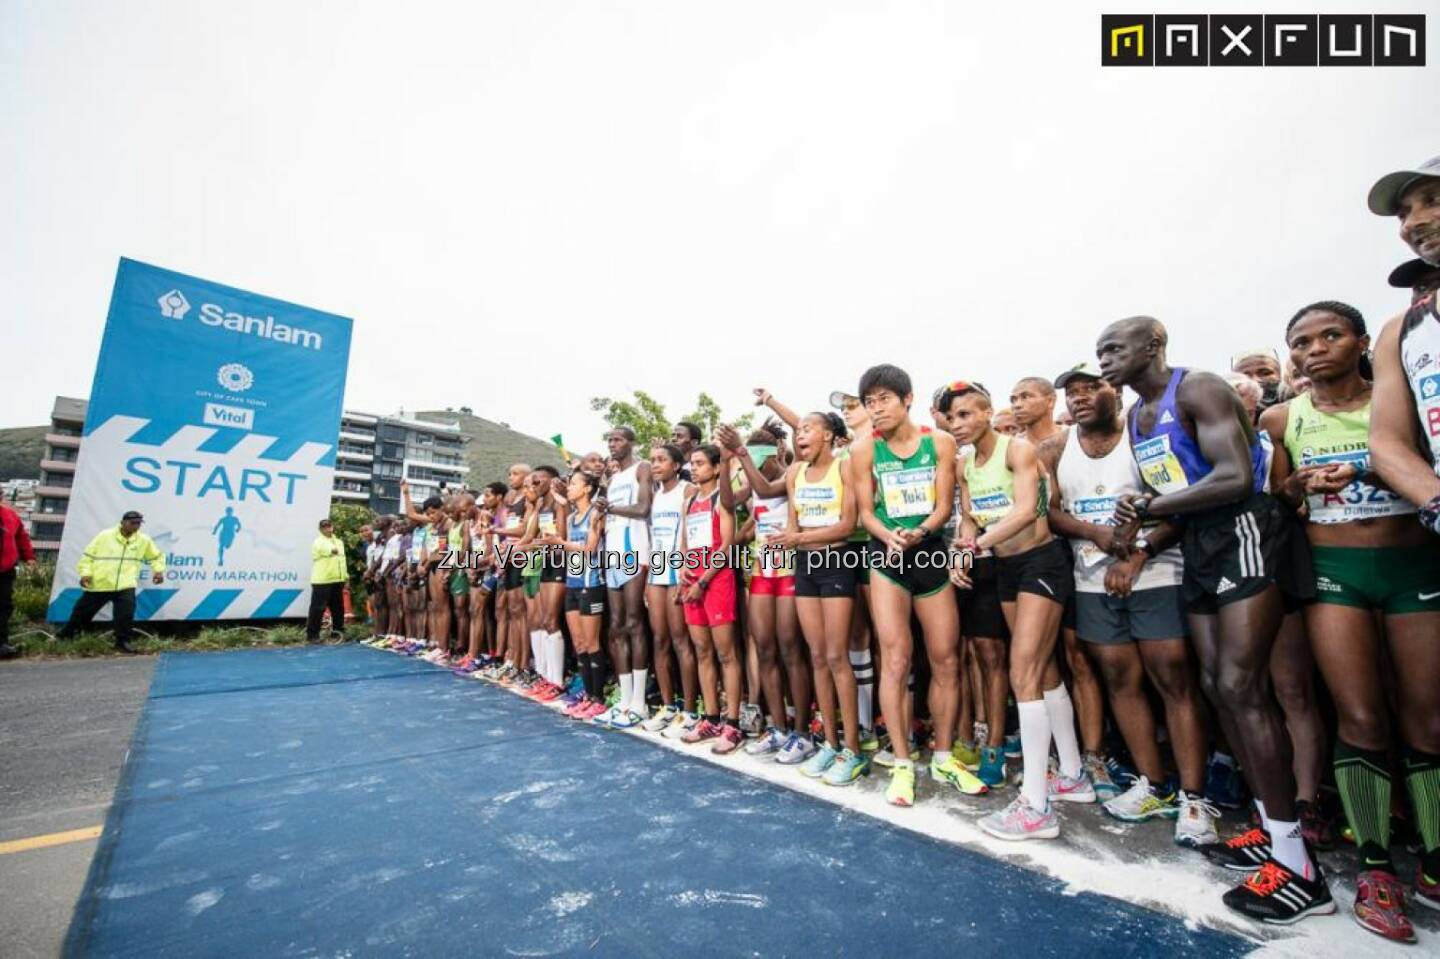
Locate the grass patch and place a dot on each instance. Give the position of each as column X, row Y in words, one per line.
column 34, row 643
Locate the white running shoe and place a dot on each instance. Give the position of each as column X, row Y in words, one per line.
column 1195, row 825
column 662, row 718
column 1140, row 802
column 770, row 742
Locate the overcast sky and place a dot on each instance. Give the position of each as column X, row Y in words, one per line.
column 523, row 205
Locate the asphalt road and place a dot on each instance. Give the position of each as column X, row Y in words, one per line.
column 65, row 727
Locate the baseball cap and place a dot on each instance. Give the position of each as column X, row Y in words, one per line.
column 1085, row 371
column 132, row 514
column 1385, row 194
column 839, row 398
column 1411, row 272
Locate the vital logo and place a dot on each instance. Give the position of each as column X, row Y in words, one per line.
column 235, row 417
column 1269, row 40
column 174, row 306
column 264, row 327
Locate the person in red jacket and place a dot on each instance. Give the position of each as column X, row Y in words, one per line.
column 14, row 548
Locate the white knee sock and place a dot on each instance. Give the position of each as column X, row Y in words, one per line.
column 638, row 679
column 1062, row 729
column 864, row 669
column 556, row 641
column 537, row 653
column 624, row 700
column 1035, row 741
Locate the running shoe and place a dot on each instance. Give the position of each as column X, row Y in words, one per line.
column 951, row 771
column 1099, row 772
column 1427, row 889
column 549, row 694
column 816, row 765
column 1012, row 746
column 992, row 766
column 885, row 756
column 1276, row 895
column 1195, row 822
column 662, row 718
column 1223, row 785
column 625, row 718
column 769, row 743
column 796, row 750
column 574, row 710
column 901, row 791
column 1315, row 825
column 1141, row 802
column 730, row 739
column 701, row 731
column 869, row 742
column 1247, row 852
column 605, row 718
column 596, row 708
column 1380, row 905
column 1062, row 788
column 847, row 768
column 680, row 725
column 966, row 754
column 751, row 722
column 1018, row 821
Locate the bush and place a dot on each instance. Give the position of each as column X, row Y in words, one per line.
column 32, row 592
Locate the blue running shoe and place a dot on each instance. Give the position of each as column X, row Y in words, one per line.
column 846, row 768
column 992, row 766
column 1223, row 785
column 818, row 764
column 1012, row 746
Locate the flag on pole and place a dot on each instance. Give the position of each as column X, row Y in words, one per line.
column 559, row 442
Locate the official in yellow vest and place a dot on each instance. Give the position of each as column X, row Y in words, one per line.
column 327, row 582
column 109, row 573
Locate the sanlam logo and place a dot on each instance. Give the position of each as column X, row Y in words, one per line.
column 174, row 306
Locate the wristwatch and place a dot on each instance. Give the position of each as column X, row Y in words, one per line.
column 1145, row 547
column 1430, row 515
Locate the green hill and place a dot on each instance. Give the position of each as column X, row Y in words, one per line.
column 494, row 447
column 20, row 450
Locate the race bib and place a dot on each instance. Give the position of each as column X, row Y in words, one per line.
column 698, row 530
column 547, row 524
column 909, row 492
column 1358, row 500
column 1159, row 466
column 816, row 506
column 1099, row 510
column 989, row 508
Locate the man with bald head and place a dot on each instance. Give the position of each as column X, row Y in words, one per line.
column 1204, row 463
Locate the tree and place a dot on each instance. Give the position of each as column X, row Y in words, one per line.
column 646, row 416
column 348, row 518
column 707, row 416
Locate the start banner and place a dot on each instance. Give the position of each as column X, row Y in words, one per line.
column 215, row 413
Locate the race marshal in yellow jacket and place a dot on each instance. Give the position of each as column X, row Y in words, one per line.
column 327, row 582
column 109, row 573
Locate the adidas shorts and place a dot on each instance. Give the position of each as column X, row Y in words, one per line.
column 1237, row 551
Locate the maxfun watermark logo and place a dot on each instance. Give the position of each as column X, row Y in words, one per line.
column 235, row 377
column 174, row 306
column 1262, row 40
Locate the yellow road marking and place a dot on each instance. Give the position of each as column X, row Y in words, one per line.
column 51, row 839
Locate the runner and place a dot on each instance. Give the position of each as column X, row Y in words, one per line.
column 625, row 505
column 1006, row 497
column 431, row 534
column 983, row 630
column 1197, row 451
column 862, row 658
column 548, row 536
column 510, row 622
column 1370, row 557
column 483, row 647
column 1405, row 445
column 1129, row 609
column 584, row 592
column 458, row 572
column 904, row 480
column 1417, row 276
column 821, row 517
column 772, row 619
column 708, row 593
column 392, row 566
column 685, row 437
column 1263, row 367
column 667, row 618
column 1032, row 402
column 372, row 539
